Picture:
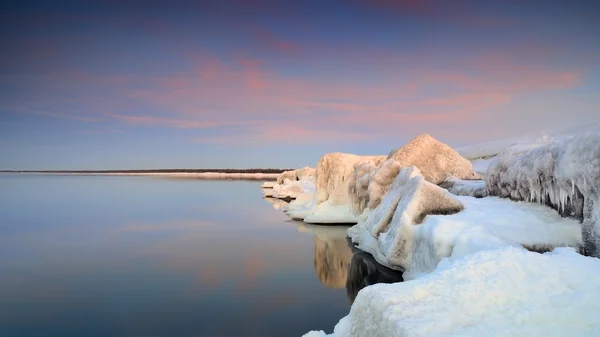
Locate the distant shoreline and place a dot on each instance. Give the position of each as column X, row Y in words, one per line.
column 251, row 170
column 208, row 174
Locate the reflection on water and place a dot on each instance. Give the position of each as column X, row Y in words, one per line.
column 277, row 203
column 140, row 256
column 338, row 264
column 365, row 271
column 332, row 253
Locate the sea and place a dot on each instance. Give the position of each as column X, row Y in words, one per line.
column 85, row 255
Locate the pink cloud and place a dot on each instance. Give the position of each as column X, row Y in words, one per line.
column 272, row 107
column 169, row 122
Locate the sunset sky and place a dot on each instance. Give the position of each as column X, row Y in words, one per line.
column 259, row 83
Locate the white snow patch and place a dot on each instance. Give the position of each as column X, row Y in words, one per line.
column 325, row 213
column 502, row 292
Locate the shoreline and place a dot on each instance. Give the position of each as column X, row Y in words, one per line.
column 171, row 174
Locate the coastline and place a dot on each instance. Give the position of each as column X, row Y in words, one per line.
column 187, row 175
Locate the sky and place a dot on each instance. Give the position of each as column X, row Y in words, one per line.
column 261, row 83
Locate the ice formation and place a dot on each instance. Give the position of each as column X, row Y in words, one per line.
column 436, row 161
column 473, row 188
column 563, row 174
column 333, row 175
column 268, row 184
column 332, row 253
column 292, row 183
column 329, row 204
column 407, row 232
column 502, row 292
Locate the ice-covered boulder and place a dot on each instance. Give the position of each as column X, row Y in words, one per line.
column 299, row 174
column 418, row 223
column 330, row 203
column 501, row 292
column 563, row 174
column 473, row 188
column 292, row 183
column 436, row 161
column 333, row 175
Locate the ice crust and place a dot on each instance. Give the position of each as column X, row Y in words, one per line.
column 563, row 174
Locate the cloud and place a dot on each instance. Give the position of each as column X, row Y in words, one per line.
column 162, row 121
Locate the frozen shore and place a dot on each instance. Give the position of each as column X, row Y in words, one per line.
column 183, row 175
column 502, row 229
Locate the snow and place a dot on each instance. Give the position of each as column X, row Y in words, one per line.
column 436, row 161
column 292, row 188
column 480, row 165
column 326, row 213
column 304, row 205
column 397, row 236
column 473, row 188
column 292, row 183
column 268, row 184
column 563, row 174
column 501, row 292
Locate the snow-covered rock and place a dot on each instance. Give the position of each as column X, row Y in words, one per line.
column 329, row 203
column 501, row 292
column 292, row 183
column 333, row 175
column 473, row 188
column 418, row 223
column 563, row 174
column 437, row 162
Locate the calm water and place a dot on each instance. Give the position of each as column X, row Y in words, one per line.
column 143, row 256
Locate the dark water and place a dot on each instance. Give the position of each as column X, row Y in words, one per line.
column 142, row 256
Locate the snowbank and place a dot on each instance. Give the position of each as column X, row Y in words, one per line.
column 332, row 253
column 563, row 174
column 436, row 161
column 407, row 231
column 500, row 292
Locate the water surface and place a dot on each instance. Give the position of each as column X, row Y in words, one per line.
column 146, row 256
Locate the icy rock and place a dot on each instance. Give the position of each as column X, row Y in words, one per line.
column 436, row 161
column 392, row 223
column 473, row 188
column 333, row 175
column 417, row 224
column 563, row 174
